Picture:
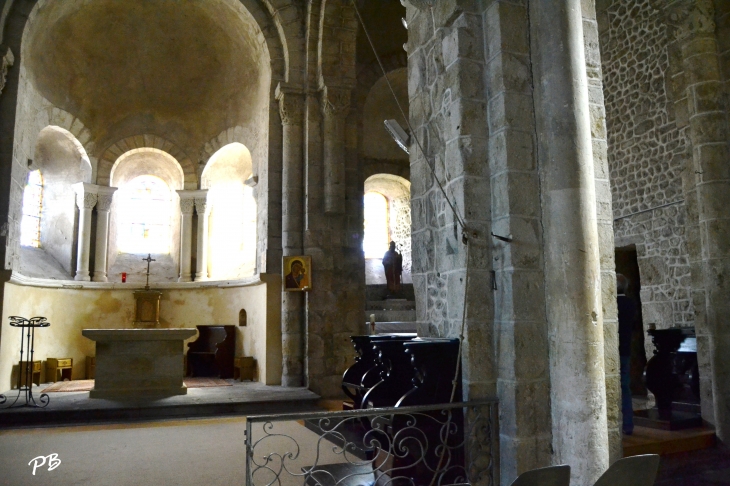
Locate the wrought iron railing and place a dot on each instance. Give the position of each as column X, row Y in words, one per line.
column 447, row 444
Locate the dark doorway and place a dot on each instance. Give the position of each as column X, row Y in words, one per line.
column 627, row 264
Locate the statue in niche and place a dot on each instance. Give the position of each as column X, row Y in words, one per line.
column 298, row 277
column 393, row 266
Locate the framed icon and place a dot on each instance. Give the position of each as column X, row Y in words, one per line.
column 297, row 273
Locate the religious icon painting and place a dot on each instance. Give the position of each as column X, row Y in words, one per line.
column 297, row 273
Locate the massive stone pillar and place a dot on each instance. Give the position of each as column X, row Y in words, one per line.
column 201, row 207
column 103, row 205
column 571, row 243
column 86, row 197
column 695, row 30
column 187, row 203
column 291, row 110
column 335, row 107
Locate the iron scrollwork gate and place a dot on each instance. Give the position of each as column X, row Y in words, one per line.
column 448, row 444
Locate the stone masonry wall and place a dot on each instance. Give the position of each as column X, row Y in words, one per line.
column 647, row 153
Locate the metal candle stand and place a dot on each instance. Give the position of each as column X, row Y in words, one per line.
column 27, row 340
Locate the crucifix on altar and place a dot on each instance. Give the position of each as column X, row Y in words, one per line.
column 147, row 302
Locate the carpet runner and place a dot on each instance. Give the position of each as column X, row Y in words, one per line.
column 87, row 385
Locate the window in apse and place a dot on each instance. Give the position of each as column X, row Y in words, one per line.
column 30, row 224
column 375, row 242
column 145, row 205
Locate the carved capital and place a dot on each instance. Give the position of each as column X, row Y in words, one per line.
column 187, row 205
column 104, row 202
column 8, row 60
column 201, row 204
column 335, row 102
column 688, row 18
column 86, row 200
column 105, row 196
column 86, row 195
column 291, row 105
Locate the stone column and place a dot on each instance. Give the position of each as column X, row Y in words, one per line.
column 86, row 197
column 187, row 203
column 693, row 25
column 291, row 110
column 571, row 244
column 201, row 207
column 335, row 107
column 103, row 205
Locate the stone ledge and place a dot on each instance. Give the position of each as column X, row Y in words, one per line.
column 111, row 335
column 132, row 393
column 20, row 279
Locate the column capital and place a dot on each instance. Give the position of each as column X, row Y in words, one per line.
column 188, row 199
column 201, row 204
column 291, row 104
column 86, row 195
column 105, row 197
column 687, row 18
column 335, row 101
column 7, row 61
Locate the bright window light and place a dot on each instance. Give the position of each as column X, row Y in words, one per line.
column 30, row 224
column 144, row 208
column 376, row 240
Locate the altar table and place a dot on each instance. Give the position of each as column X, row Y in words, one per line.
column 138, row 363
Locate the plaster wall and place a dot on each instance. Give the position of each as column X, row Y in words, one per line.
column 69, row 310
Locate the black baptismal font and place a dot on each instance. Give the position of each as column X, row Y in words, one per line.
column 672, row 375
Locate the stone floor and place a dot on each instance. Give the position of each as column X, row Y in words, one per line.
column 242, row 398
column 707, row 467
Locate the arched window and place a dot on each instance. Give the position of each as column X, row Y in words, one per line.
column 30, row 225
column 145, row 205
column 375, row 242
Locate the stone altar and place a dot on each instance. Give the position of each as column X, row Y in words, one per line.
column 138, row 363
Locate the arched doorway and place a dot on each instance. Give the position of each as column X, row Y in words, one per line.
column 387, row 210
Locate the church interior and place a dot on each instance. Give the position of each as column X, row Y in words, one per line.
column 181, row 179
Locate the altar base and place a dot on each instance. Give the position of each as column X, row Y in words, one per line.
column 138, row 363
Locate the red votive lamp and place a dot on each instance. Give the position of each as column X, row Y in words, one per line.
column 124, row 277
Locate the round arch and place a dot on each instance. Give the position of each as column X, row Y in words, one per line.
column 397, row 193
column 232, row 231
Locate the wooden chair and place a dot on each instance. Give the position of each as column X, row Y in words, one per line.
column 545, row 476
column 212, row 354
column 631, row 471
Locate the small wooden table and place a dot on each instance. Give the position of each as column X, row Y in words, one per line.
column 59, row 366
column 138, row 363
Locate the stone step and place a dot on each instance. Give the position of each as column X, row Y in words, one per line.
column 391, row 315
column 380, row 292
column 391, row 304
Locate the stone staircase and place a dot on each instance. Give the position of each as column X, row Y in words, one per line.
column 391, row 315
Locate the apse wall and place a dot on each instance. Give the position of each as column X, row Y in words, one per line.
column 70, row 310
column 206, row 83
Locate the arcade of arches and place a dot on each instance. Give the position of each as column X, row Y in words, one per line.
column 223, row 135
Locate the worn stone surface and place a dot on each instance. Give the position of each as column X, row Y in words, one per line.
column 648, row 151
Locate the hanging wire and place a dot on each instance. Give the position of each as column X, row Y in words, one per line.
column 408, row 122
column 465, row 235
